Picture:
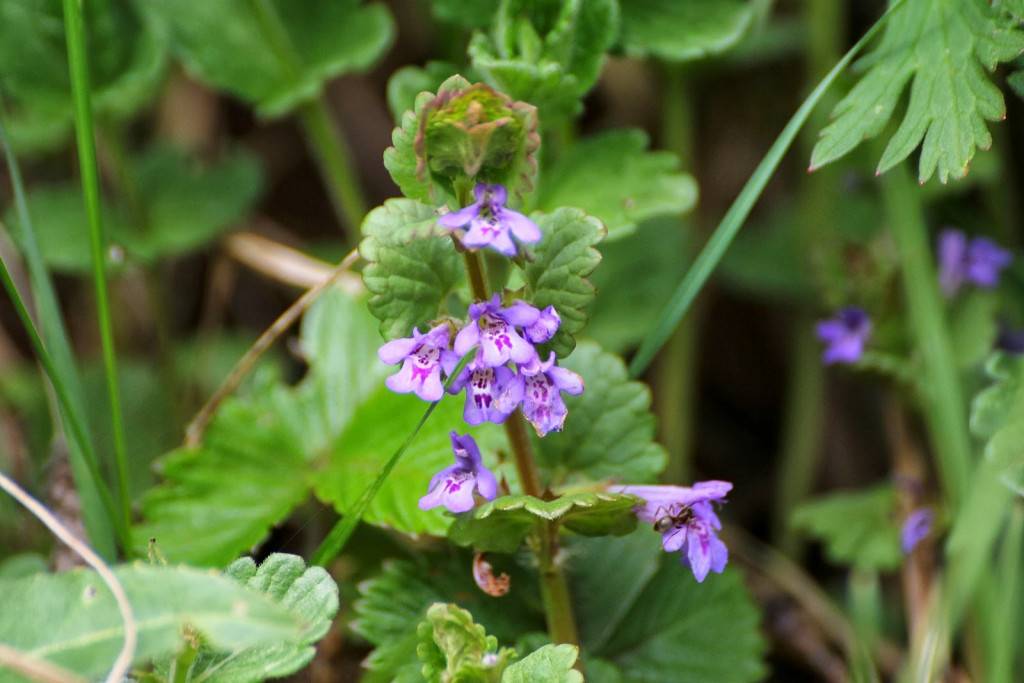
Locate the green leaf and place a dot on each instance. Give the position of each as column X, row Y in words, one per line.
column 997, row 405
column 310, row 594
column 557, row 274
column 465, row 13
column 610, row 430
column 393, row 603
column 412, row 266
column 547, row 53
column 858, row 528
column 128, row 60
column 71, row 619
column 276, row 54
column 613, row 177
column 453, row 647
column 683, row 30
column 973, row 328
column 22, row 565
column 550, row 664
column 501, row 525
column 409, row 81
column 676, row 629
column 943, row 47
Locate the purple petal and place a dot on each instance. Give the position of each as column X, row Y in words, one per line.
column 847, row 350
column 698, row 554
column 486, row 484
column 952, row 257
column 985, row 260
column 673, row 539
column 503, row 244
column 402, row 381
column 522, row 351
column 430, row 388
column 449, row 361
column 467, row 338
column 521, row 314
column 719, row 555
column 544, row 329
column 482, row 233
column 459, row 498
column 916, row 528
column 442, row 475
column 466, row 449
column 457, row 219
column 497, row 194
column 566, row 380
column 395, row 351
column 523, row 228
column 830, row 330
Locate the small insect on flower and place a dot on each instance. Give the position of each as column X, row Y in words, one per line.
column 845, row 335
column 490, row 223
column 454, row 486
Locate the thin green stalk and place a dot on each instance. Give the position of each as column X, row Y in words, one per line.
column 675, row 389
column 79, row 68
column 865, row 607
column 325, row 140
column 734, row 219
column 1004, row 644
column 944, row 406
column 100, row 528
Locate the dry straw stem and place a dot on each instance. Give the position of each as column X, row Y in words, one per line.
column 43, row 671
column 35, row 669
column 196, row 428
column 283, row 263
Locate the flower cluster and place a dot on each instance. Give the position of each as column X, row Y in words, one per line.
column 978, row 261
column 687, row 522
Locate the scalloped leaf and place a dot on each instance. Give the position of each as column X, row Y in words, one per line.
column 501, row 524
column 610, row 430
column 407, row 83
column 858, row 528
column 394, row 602
column 550, row 664
column 72, row 620
column 412, row 266
column 309, row 593
column 453, row 647
column 671, row 628
column 557, row 273
column 280, row 62
column 683, row 30
column 128, row 58
column 942, row 47
column 613, row 177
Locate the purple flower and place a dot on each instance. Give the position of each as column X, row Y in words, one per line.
column 916, row 528
column 978, row 261
column 453, row 486
column 539, row 385
column 687, row 522
column 545, row 327
column 845, row 335
column 491, row 224
column 492, row 328
column 423, row 356
column 483, row 385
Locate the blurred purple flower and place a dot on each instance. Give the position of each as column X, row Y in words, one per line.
column 845, row 335
column 978, row 261
column 490, row 223
column 916, row 528
column 539, row 386
column 453, row 486
column 492, row 328
column 687, row 522
column 423, row 357
column 483, row 385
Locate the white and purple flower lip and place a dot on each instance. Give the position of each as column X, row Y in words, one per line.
column 455, row 486
column 492, row 328
column 685, row 517
column 489, row 223
column 539, row 386
column 423, row 357
column 978, row 261
column 845, row 335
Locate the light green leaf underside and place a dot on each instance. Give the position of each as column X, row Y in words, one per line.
column 280, row 62
column 502, row 524
column 71, row 619
column 943, row 48
column 683, row 30
column 614, row 178
column 557, row 274
column 549, row 664
column 412, row 266
column 452, row 647
column 857, row 528
column 609, row 434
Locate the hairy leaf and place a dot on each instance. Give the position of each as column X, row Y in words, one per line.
column 557, row 274
column 551, row 664
column 411, row 267
column 941, row 47
column 392, row 604
column 610, row 430
column 128, row 57
column 683, row 30
column 858, row 528
column 72, row 620
column 613, row 177
column 502, row 524
column 677, row 629
column 454, row 648
column 276, row 54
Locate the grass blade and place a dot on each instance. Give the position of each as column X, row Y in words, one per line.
column 714, row 250
column 100, row 527
column 74, row 30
